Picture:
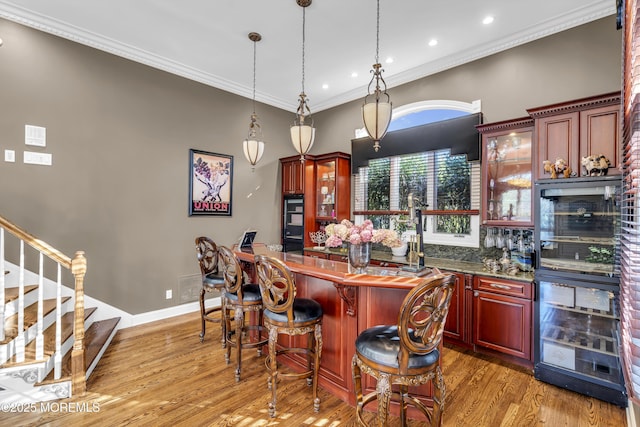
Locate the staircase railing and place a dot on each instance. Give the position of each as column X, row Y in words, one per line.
column 78, row 267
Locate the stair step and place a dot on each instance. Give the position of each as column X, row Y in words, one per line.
column 95, row 338
column 11, row 294
column 66, row 322
column 30, row 318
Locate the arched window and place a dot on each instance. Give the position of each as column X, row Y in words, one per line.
column 441, row 181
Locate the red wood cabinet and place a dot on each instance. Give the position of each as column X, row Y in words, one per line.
column 502, row 316
column 577, row 129
column 456, row 328
column 292, row 175
column 325, row 181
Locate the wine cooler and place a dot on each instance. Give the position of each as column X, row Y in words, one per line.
column 577, row 338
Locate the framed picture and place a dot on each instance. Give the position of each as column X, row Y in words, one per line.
column 210, row 181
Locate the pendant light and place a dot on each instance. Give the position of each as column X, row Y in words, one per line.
column 302, row 132
column 253, row 146
column 376, row 111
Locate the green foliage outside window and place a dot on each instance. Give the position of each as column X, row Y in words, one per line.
column 454, row 193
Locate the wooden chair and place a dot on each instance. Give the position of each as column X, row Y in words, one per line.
column 406, row 354
column 286, row 314
column 241, row 298
column 212, row 280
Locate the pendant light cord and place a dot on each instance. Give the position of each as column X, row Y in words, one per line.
column 378, row 33
column 254, row 78
column 303, row 40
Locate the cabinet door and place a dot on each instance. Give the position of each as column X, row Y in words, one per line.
column 503, row 322
column 454, row 327
column 507, row 163
column 292, row 177
column 339, row 257
column 558, row 138
column 599, row 135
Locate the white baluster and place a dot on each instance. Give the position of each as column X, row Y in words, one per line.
column 2, row 284
column 20, row 340
column 40, row 327
column 57, row 371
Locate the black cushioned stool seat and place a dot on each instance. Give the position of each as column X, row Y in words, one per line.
column 406, row 354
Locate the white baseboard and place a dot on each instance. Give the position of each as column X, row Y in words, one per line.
column 633, row 413
column 165, row 313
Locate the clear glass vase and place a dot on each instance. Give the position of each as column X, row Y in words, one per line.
column 359, row 256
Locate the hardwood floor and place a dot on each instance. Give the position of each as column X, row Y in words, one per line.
column 160, row 374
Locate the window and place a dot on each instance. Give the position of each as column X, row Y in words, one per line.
column 437, row 179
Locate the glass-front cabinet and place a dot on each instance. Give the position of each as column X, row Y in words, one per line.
column 507, row 173
column 333, row 188
column 326, row 189
column 578, row 226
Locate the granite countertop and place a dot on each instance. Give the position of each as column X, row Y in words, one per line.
column 458, row 266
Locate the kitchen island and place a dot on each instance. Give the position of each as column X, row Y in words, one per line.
column 351, row 303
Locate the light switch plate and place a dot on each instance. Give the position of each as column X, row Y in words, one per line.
column 32, row 158
column 9, row 156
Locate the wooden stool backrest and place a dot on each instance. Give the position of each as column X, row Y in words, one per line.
column 207, row 253
column 232, row 271
column 423, row 315
column 277, row 285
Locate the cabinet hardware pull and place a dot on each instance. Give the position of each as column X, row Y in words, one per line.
column 476, row 293
column 495, row 285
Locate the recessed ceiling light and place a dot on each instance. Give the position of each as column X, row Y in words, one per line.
column 389, row 60
column 433, row 42
column 325, row 86
column 354, row 74
column 488, row 20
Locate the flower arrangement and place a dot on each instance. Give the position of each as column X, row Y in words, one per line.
column 346, row 231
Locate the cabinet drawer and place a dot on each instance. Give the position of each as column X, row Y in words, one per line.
column 314, row 254
column 505, row 287
column 341, row 258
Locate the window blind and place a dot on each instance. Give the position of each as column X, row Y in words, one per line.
column 630, row 212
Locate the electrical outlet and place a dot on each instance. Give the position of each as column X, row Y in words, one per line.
column 168, row 294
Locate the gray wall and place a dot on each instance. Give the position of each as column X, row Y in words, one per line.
column 120, row 133
column 576, row 63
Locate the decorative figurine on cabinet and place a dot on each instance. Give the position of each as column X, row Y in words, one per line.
column 560, row 167
column 596, row 165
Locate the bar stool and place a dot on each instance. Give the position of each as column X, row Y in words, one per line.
column 406, row 354
column 241, row 298
column 212, row 280
column 286, row 314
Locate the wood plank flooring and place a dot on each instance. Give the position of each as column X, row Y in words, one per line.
column 160, row 374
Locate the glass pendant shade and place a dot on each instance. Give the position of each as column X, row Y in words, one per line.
column 253, row 150
column 302, row 137
column 376, row 116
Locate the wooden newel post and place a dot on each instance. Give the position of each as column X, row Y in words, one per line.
column 78, row 368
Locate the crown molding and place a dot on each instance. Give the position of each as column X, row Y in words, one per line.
column 46, row 24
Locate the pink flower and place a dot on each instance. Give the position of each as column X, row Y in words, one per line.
column 359, row 233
